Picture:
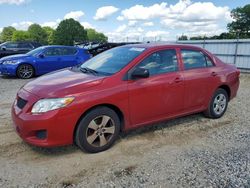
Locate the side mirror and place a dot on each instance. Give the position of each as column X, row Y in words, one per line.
column 3, row 48
column 41, row 56
column 140, row 73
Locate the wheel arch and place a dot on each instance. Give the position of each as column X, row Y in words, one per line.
column 227, row 89
column 111, row 106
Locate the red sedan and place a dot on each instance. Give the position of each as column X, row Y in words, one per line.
column 121, row 89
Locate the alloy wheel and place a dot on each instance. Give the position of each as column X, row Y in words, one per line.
column 219, row 104
column 25, row 71
column 100, row 131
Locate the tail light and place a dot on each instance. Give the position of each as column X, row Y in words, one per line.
column 238, row 72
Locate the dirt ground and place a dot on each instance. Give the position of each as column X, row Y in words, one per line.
column 187, row 152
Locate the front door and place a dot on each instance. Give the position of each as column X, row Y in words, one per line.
column 159, row 96
column 50, row 61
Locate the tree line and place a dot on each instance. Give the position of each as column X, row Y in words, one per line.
column 238, row 28
column 68, row 32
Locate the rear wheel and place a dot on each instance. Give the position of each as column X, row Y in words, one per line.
column 218, row 104
column 25, row 71
column 98, row 130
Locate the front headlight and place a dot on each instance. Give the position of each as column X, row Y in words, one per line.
column 45, row 105
column 10, row 62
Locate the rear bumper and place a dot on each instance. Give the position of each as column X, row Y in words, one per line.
column 234, row 87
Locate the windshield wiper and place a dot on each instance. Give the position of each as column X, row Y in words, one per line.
column 88, row 70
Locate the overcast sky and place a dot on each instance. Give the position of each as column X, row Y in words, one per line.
column 122, row 19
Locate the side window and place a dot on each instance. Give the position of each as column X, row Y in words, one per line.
column 24, row 45
column 11, row 45
column 69, row 51
column 160, row 62
column 53, row 52
column 193, row 59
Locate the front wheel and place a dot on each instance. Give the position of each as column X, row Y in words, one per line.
column 98, row 130
column 25, row 71
column 218, row 104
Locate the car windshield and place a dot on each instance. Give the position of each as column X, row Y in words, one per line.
column 36, row 51
column 112, row 61
column 3, row 44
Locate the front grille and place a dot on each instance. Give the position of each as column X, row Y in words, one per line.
column 21, row 103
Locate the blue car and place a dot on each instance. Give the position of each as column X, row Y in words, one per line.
column 42, row 60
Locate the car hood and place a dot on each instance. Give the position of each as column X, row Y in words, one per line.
column 62, row 83
column 14, row 57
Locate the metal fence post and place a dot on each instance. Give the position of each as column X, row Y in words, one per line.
column 236, row 49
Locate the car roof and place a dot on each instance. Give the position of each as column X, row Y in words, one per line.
column 161, row 45
column 59, row 46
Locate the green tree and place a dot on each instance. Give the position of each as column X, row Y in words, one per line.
column 37, row 33
column 93, row 35
column 183, row 37
column 50, row 34
column 69, row 32
column 197, row 38
column 20, row 36
column 241, row 23
column 7, row 33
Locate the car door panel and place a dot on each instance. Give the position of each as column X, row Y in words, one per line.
column 198, row 83
column 156, row 97
column 50, row 61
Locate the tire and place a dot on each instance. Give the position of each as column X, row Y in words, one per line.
column 25, row 71
column 218, row 105
column 97, row 130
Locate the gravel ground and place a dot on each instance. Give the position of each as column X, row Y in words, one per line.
column 187, row 152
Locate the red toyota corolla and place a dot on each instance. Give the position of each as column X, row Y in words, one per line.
column 121, row 89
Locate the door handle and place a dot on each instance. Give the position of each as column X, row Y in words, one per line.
column 214, row 74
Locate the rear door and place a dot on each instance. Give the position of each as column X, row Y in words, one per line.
column 161, row 95
column 200, row 78
column 69, row 57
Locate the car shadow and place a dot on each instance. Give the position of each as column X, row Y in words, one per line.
column 55, row 151
column 15, row 78
column 70, row 149
column 162, row 125
column 8, row 77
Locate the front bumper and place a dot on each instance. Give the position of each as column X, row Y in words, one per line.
column 58, row 125
column 9, row 70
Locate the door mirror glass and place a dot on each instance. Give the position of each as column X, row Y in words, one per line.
column 140, row 73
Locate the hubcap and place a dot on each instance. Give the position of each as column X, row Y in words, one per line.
column 25, row 71
column 219, row 104
column 100, row 131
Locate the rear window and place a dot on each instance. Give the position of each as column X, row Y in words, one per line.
column 69, row 51
column 193, row 59
column 24, row 45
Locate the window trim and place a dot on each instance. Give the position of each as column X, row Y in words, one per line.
column 77, row 50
